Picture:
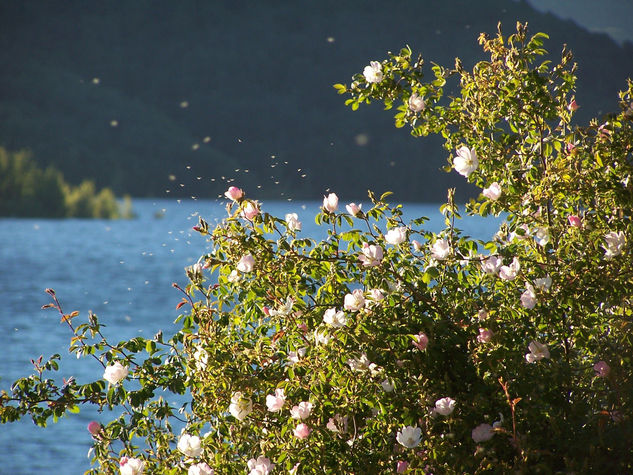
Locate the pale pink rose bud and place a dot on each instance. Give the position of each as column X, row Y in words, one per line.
column 417, row 245
column 353, row 209
column 250, row 210
column 602, row 369
column 573, row 106
column 420, row 341
column 574, row 221
column 330, row 202
column 485, row 335
column 266, row 311
column 302, row 431
column 246, row 263
column 234, row 193
column 94, row 428
column 528, row 298
column 570, row 147
column 445, row 406
column 402, row 466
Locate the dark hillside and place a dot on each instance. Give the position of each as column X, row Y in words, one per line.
column 256, row 79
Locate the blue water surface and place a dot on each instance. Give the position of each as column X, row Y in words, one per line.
column 123, row 271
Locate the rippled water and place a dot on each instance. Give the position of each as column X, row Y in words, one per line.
column 122, row 271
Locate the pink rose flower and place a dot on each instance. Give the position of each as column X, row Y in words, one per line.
column 574, row 221
column 485, row 335
column 330, row 203
column 234, row 193
column 302, row 431
column 420, row 341
column 353, row 209
column 602, row 369
column 250, row 210
column 94, row 428
column 276, row 401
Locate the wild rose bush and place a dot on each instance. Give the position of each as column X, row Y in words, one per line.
column 385, row 347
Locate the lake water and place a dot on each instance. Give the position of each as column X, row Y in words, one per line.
column 122, row 271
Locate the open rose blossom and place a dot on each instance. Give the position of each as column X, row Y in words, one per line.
column 240, row 406
column 292, row 222
column 276, row 401
column 354, row 301
column 441, row 249
column 302, row 411
column 200, row 469
column 131, row 466
column 373, row 72
column 485, row 335
column 602, row 369
column 371, row 255
column 482, row 433
column 420, row 341
column 493, row 192
column 538, row 351
column 396, row 236
column 491, row 265
column 445, row 406
column 190, row 445
column 115, row 373
column 416, row 103
column 334, row 318
column 246, row 263
column 614, row 244
column 261, row 466
column 302, row 431
column 409, row 436
column 234, row 193
column 466, row 161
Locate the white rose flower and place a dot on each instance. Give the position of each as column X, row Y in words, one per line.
column 115, row 373
column 441, row 249
column 416, row 103
column 330, row 202
column 615, row 242
column 528, row 298
column 359, row 364
column 542, row 236
column 466, row 161
column 482, row 433
column 240, row 406
column 276, row 401
column 295, row 356
column 538, row 351
column 543, row 283
column 200, row 469
column 321, row 338
column 201, row 357
column 373, row 72
column 131, row 466
column 491, row 265
column 445, row 406
column 336, row 319
column 371, row 255
column 301, row 411
column 387, row 386
column 261, row 466
column 246, row 263
column 190, row 445
column 354, row 301
column 510, row 272
column 493, row 192
column 292, row 221
column 396, row 236
column 409, row 436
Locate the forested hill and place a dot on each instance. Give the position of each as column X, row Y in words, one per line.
column 147, row 96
